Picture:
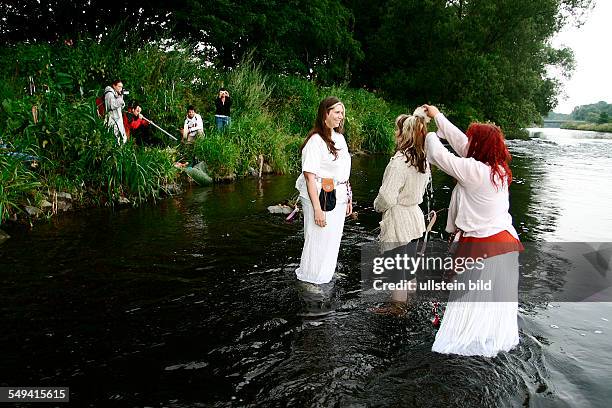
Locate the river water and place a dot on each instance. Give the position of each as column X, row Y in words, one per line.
column 193, row 302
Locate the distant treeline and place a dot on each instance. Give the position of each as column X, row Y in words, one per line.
column 600, row 113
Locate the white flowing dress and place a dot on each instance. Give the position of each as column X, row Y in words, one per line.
column 480, row 322
column 321, row 244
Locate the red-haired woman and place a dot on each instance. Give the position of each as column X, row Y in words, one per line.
column 325, row 157
column 481, row 320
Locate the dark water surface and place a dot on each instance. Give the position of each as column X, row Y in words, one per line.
column 193, row 302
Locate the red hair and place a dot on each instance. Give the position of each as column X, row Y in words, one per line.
column 487, row 145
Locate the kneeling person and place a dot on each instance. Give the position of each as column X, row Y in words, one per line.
column 137, row 126
column 193, row 126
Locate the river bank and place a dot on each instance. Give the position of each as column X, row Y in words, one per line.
column 54, row 124
column 595, row 127
column 55, row 203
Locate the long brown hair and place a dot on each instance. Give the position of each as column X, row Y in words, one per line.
column 410, row 131
column 321, row 128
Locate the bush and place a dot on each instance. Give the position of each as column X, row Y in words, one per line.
column 16, row 184
column 220, row 153
column 58, row 121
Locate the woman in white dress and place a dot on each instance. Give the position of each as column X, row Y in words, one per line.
column 478, row 322
column 325, row 155
column 401, row 192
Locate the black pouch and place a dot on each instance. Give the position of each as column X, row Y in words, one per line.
column 327, row 196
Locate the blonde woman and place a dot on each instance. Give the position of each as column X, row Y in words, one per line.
column 325, row 158
column 401, row 192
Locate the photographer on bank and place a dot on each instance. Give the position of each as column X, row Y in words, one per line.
column 223, row 103
column 113, row 102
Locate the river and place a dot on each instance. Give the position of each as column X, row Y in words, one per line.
column 193, row 301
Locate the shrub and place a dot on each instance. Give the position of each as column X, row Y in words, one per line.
column 220, row 153
column 16, row 184
column 78, row 153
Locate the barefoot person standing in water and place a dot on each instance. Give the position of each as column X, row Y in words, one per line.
column 478, row 322
column 402, row 190
column 325, row 162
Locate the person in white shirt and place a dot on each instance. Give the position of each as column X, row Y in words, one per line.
column 325, row 156
column 193, row 126
column 478, row 322
column 113, row 101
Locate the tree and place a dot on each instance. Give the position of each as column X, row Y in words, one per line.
column 54, row 20
column 306, row 37
column 483, row 59
column 603, row 118
column 591, row 112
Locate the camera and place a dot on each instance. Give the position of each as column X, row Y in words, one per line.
column 125, row 92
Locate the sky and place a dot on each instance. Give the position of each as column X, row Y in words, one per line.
column 591, row 43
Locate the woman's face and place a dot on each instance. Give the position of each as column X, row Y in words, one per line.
column 335, row 116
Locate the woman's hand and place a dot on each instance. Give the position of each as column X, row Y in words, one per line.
column 431, row 110
column 311, row 186
column 319, row 217
column 349, row 208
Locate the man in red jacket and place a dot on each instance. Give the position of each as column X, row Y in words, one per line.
column 137, row 126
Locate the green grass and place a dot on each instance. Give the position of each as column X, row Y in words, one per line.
column 17, row 188
column 271, row 115
column 602, row 127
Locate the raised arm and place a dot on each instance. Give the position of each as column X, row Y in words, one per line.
column 446, row 130
column 464, row 170
column 457, row 139
column 113, row 102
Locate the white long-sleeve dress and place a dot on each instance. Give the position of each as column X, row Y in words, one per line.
column 399, row 196
column 478, row 322
column 321, row 244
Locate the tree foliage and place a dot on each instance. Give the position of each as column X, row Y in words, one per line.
column 306, row 37
column 599, row 112
column 482, row 59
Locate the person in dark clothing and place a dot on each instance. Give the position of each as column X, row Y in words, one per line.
column 222, row 111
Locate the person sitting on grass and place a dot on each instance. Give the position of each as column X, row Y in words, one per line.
column 193, row 126
column 192, row 129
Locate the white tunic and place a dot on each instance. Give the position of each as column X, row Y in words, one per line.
column 400, row 194
column 317, row 159
column 477, row 207
column 479, row 323
column 321, row 244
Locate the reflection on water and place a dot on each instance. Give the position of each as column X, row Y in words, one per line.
column 193, row 301
column 573, row 187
